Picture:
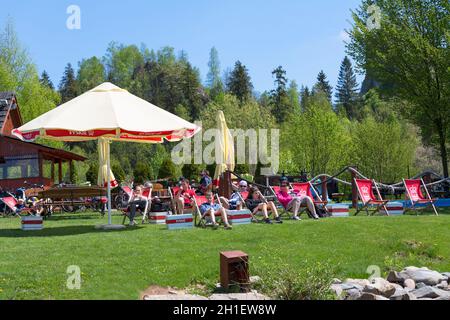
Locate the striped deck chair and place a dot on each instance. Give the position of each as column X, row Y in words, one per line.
column 187, row 208
column 275, row 190
column 415, row 195
column 199, row 219
column 258, row 216
column 146, row 193
column 366, row 195
column 307, row 189
column 11, row 206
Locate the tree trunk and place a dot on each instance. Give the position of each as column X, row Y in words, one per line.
column 443, row 150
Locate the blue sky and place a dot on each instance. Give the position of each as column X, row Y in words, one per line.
column 302, row 36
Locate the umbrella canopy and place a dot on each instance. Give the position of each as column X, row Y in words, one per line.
column 107, row 113
column 110, row 112
column 224, row 145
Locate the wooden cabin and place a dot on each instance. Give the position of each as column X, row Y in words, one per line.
column 24, row 161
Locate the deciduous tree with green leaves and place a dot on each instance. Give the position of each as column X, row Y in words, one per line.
column 91, row 73
column 410, row 51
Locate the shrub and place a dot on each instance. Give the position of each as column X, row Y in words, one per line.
column 92, row 173
column 167, row 170
column 307, row 282
column 142, row 172
column 191, row 171
column 118, row 172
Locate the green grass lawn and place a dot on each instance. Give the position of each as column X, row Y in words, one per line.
column 120, row 264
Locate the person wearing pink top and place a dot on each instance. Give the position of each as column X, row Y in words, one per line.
column 293, row 202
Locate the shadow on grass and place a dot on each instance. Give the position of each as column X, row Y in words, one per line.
column 74, row 217
column 58, row 231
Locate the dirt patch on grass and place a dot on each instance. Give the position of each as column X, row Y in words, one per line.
column 155, row 290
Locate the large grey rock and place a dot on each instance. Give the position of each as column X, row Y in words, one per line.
column 379, row 286
column 410, row 284
column 443, row 285
column 349, row 286
column 430, row 292
column 353, row 294
column 399, row 294
column 371, row 296
column 446, row 298
column 255, row 279
column 394, row 277
column 239, row 296
column 360, row 282
column 337, row 289
column 425, row 275
column 420, row 285
column 402, row 294
column 447, row 275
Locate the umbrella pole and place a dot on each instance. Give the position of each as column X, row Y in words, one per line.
column 108, row 166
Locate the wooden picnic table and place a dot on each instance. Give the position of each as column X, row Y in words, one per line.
column 72, row 192
column 58, row 197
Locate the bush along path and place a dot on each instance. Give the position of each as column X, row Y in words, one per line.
column 411, row 283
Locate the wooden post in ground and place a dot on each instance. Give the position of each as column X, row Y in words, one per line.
column 59, row 171
column 225, row 185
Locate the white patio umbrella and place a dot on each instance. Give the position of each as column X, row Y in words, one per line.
column 107, row 113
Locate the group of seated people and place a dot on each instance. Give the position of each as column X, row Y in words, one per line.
column 243, row 196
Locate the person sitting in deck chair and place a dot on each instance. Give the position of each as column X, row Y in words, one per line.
column 36, row 206
column 256, row 202
column 20, row 206
column 235, row 203
column 294, row 202
column 138, row 201
column 184, row 196
column 205, row 182
column 209, row 208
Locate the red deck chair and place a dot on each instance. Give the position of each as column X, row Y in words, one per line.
column 275, row 190
column 199, row 219
column 365, row 193
column 187, row 208
column 415, row 195
column 306, row 189
column 258, row 216
column 11, row 203
column 147, row 193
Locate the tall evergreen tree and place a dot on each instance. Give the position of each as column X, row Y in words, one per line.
column 347, row 89
column 45, row 80
column 192, row 90
column 68, row 87
column 213, row 80
column 305, row 95
column 279, row 96
column 239, row 82
column 322, row 85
